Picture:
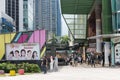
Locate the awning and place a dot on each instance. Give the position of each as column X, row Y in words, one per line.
column 76, row 6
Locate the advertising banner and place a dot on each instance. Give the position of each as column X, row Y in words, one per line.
column 23, row 51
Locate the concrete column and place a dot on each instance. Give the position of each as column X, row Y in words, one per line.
column 112, row 54
column 83, row 53
column 107, row 53
column 98, row 27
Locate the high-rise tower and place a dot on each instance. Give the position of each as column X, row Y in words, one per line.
column 48, row 16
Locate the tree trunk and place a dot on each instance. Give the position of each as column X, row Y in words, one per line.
column 53, row 51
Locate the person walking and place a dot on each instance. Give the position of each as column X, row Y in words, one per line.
column 44, row 65
column 93, row 60
column 109, row 59
column 89, row 59
column 103, row 59
column 51, row 63
column 56, row 63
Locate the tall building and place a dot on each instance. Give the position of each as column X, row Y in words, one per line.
column 28, row 14
column 22, row 12
column 59, row 27
column 48, row 16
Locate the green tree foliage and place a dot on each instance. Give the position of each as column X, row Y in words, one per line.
column 65, row 40
column 53, row 40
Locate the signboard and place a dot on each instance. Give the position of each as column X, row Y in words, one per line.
column 23, row 51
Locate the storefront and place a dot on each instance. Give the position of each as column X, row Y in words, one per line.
column 115, row 48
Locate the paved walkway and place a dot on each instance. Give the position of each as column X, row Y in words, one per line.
column 83, row 72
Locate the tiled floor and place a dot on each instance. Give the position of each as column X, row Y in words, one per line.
column 83, row 72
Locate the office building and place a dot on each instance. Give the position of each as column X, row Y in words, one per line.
column 48, row 16
column 28, row 14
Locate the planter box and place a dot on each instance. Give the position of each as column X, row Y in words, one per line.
column 12, row 73
column 21, row 71
column 2, row 72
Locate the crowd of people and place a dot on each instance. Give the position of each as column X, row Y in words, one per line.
column 50, row 64
column 74, row 60
column 91, row 59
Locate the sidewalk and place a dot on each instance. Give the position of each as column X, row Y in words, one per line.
column 82, row 72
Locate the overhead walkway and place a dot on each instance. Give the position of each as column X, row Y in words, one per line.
column 75, row 14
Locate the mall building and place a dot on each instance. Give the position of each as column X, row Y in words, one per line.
column 7, row 24
column 95, row 26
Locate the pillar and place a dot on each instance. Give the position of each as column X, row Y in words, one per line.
column 98, row 27
column 83, row 53
column 107, row 53
column 112, row 54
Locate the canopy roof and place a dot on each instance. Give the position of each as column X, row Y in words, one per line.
column 76, row 6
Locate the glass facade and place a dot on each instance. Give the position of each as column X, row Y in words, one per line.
column 48, row 15
column 116, row 15
column 77, row 25
column 58, row 19
column 28, row 14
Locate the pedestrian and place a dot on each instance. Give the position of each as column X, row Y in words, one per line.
column 76, row 61
column 93, row 61
column 89, row 59
column 81, row 59
column 44, row 65
column 109, row 58
column 56, row 63
column 103, row 59
column 51, row 63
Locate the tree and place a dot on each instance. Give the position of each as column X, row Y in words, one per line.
column 53, row 40
column 53, row 45
column 65, row 40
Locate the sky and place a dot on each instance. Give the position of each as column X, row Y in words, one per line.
column 64, row 27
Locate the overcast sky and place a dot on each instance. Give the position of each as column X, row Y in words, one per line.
column 64, row 27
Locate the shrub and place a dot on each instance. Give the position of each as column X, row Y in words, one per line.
column 11, row 67
column 3, row 66
column 29, row 67
column 34, row 68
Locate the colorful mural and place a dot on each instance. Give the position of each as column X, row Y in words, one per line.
column 37, row 36
column 5, row 38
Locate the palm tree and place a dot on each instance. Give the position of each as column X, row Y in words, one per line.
column 53, row 40
column 65, row 40
column 53, row 45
